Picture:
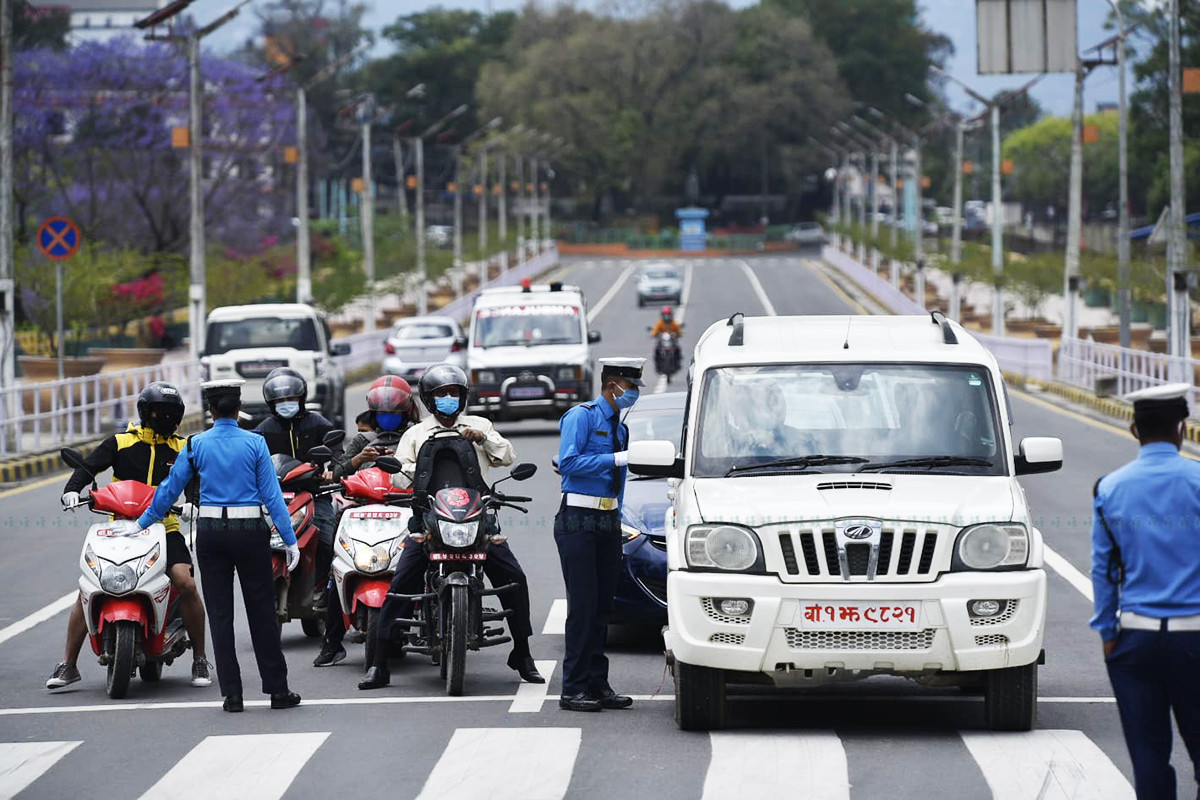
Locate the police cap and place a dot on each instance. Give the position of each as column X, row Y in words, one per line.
column 224, row 386
column 1165, row 402
column 628, row 368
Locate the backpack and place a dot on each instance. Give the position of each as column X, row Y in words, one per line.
column 432, row 460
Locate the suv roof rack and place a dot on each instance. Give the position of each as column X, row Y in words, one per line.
column 738, row 336
column 940, row 320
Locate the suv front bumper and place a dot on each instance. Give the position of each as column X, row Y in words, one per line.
column 777, row 639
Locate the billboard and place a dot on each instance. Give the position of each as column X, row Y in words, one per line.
column 1015, row 36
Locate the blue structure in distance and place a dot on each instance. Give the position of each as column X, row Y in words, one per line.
column 691, row 227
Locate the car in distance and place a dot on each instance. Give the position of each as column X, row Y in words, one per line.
column 659, row 281
column 415, row 344
column 806, row 234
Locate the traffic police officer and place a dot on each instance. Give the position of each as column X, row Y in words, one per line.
column 592, row 459
column 1146, row 584
column 236, row 480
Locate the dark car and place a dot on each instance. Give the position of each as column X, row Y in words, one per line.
column 641, row 596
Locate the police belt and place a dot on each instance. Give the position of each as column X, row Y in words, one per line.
column 1137, row 622
column 230, row 512
column 587, row 501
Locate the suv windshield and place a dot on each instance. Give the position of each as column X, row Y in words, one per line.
column 880, row 413
column 243, row 334
column 527, row 325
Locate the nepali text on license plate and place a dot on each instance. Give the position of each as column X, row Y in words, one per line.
column 527, row 392
column 824, row 615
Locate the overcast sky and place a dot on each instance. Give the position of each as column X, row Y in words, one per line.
column 954, row 18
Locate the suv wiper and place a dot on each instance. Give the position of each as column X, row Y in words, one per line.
column 802, row 461
column 929, row 462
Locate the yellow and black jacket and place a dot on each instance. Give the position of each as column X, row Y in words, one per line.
column 138, row 454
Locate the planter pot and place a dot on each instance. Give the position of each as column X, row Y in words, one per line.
column 1139, row 336
column 1110, row 334
column 1139, row 311
column 122, row 358
column 1047, row 330
column 1023, row 325
column 394, row 314
column 440, row 300
column 345, row 328
column 1156, row 315
column 1096, row 297
column 38, row 369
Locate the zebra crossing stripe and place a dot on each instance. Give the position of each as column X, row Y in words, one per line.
column 1048, row 765
column 556, row 620
column 22, row 763
column 531, row 696
column 768, row 766
column 251, row 766
column 537, row 764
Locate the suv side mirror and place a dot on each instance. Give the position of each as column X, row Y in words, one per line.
column 333, row 438
column 593, row 337
column 460, row 343
column 655, row 459
column 339, row 349
column 1037, row 454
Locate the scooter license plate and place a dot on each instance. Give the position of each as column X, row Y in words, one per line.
column 824, row 615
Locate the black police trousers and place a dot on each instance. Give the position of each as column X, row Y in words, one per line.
column 244, row 545
column 501, row 569
column 589, row 547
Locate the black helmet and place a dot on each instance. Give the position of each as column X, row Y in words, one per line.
column 165, row 399
column 441, row 376
column 284, row 382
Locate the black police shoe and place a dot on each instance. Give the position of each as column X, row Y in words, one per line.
column 579, row 702
column 233, row 703
column 285, row 700
column 330, row 655
column 525, row 668
column 610, row 699
column 376, row 678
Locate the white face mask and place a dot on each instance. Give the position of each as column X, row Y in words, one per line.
column 288, row 408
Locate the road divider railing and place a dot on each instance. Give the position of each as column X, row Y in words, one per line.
column 1113, row 371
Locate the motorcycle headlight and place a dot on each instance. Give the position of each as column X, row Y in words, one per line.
column 726, row 547
column 457, row 534
column 347, row 544
column 628, row 532
column 992, row 546
column 149, row 560
column 372, row 558
column 117, row 578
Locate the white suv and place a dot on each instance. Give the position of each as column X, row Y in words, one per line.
column 847, row 505
column 250, row 341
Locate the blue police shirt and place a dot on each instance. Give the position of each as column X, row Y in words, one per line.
column 235, row 469
column 585, row 449
column 1152, row 506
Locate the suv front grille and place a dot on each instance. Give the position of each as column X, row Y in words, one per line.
column 798, row 639
column 901, row 553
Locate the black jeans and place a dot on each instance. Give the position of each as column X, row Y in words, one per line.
column 244, row 545
column 589, row 547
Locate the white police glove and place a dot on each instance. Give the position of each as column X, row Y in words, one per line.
column 70, row 500
column 293, row 556
column 621, row 459
column 188, row 512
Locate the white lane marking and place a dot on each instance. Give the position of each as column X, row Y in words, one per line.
column 685, row 293
column 41, row 615
column 250, row 766
column 766, row 766
column 22, row 763
column 537, row 764
column 1048, row 765
column 758, row 289
column 660, row 385
column 610, row 294
column 1068, row 572
column 556, row 620
column 531, row 696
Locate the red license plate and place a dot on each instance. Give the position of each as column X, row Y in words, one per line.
column 843, row 616
column 458, row 556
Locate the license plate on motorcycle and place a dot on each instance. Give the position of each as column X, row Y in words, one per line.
column 458, row 556
column 527, row 392
column 824, row 615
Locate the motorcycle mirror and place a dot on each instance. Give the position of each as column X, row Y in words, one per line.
column 73, row 459
column 523, row 472
column 388, row 464
column 320, row 454
column 333, row 438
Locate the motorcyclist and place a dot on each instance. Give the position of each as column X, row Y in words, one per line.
column 443, row 390
column 143, row 452
column 666, row 324
column 293, row 430
column 391, row 411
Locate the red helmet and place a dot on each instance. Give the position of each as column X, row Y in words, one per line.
column 666, row 312
column 389, row 394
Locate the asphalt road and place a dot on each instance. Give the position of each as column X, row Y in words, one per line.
column 884, row 738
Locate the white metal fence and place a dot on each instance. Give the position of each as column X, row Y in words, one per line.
column 1086, row 363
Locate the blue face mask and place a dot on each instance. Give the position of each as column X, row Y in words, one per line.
column 627, row 400
column 288, row 408
column 446, row 406
column 389, row 422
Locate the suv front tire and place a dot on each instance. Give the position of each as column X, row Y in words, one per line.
column 700, row 701
column 1010, row 698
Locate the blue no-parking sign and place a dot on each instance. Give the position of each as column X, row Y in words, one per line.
column 58, row 238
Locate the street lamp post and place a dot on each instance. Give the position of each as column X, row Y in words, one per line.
column 418, row 145
column 367, row 215
column 520, row 208
column 1179, row 311
column 7, row 269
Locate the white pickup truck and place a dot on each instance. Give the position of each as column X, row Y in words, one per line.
column 846, row 505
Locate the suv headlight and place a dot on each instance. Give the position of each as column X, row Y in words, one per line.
column 567, row 374
column 992, row 545
column 484, row 376
column 728, row 547
column 457, row 534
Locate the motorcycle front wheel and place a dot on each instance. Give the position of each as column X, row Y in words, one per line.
column 124, row 657
column 456, row 641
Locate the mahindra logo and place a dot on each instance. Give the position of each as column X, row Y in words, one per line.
column 857, row 531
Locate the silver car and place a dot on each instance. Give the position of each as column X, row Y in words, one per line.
column 806, row 234
column 659, row 281
column 414, row 345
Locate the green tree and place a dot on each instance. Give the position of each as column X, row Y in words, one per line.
column 1041, row 156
